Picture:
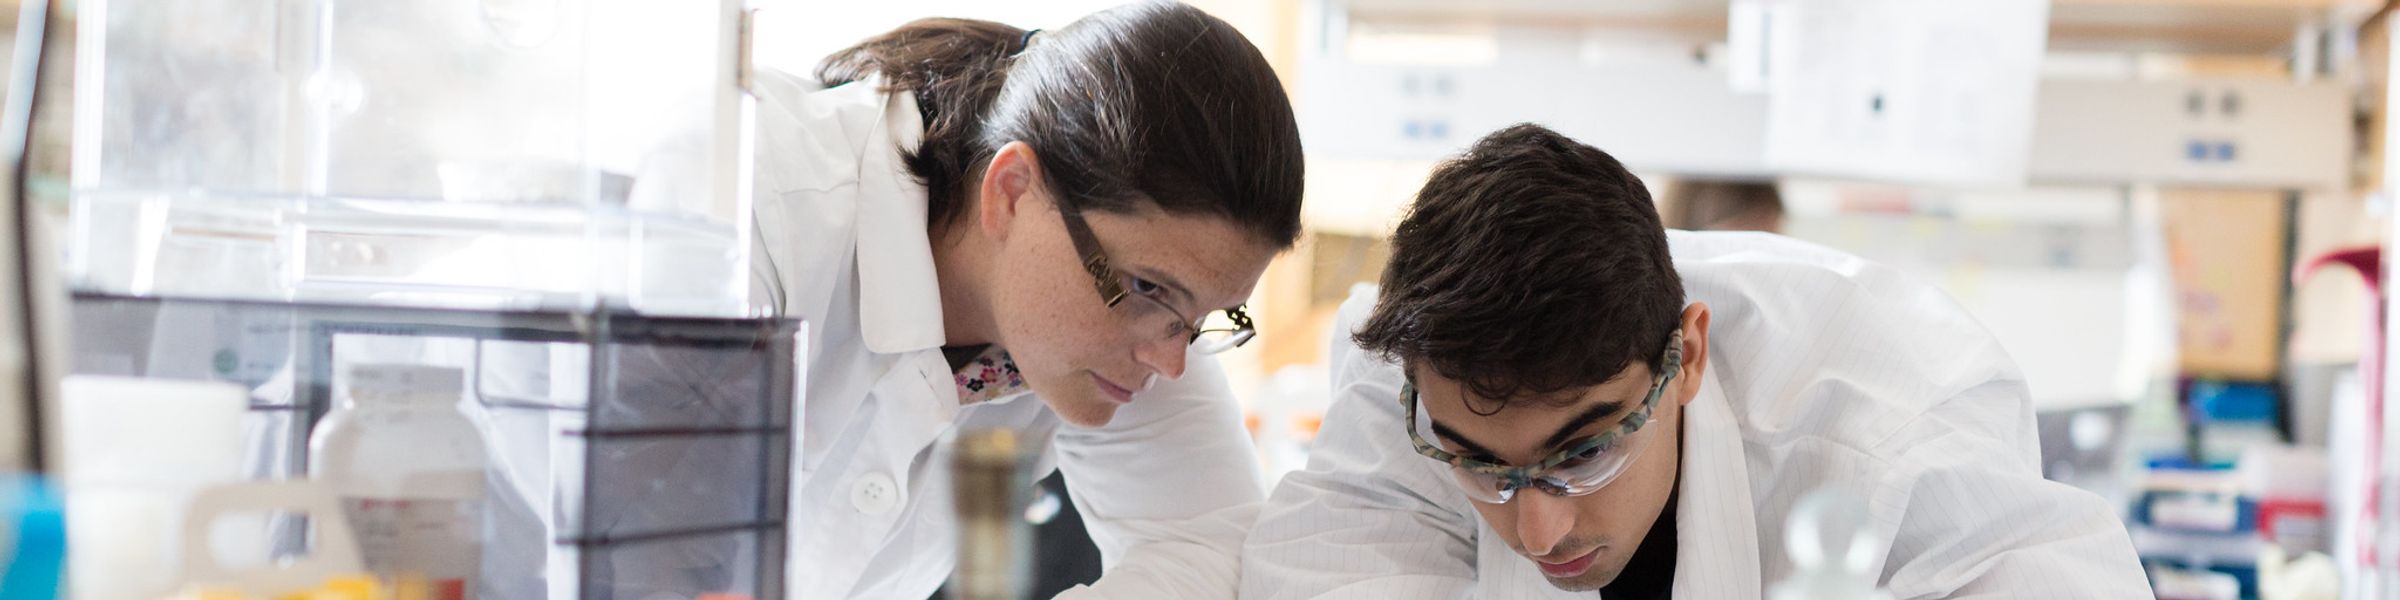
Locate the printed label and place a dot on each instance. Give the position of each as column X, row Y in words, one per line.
column 436, row 541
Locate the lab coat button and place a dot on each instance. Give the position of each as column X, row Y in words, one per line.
column 875, row 494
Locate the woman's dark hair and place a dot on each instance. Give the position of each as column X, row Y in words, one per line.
column 1155, row 102
column 1530, row 265
column 1701, row 204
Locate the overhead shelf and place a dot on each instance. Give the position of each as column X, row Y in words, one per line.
column 2178, row 26
column 2187, row 26
column 1695, row 118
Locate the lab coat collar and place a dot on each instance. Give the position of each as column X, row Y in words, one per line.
column 900, row 303
column 1716, row 525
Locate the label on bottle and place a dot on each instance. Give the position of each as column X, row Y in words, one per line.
column 438, row 541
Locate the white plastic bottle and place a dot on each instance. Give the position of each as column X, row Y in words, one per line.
column 409, row 469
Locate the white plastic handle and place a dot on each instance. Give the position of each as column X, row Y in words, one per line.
column 333, row 554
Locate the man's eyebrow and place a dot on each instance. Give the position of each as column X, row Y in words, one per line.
column 1589, row 416
column 1469, row 445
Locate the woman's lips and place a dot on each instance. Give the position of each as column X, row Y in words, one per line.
column 1112, row 391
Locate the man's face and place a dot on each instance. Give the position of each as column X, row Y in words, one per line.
column 1583, row 542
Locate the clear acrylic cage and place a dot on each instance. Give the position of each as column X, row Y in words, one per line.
column 552, row 195
column 518, row 154
column 631, row 456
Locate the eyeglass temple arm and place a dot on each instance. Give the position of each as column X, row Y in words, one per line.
column 1104, row 279
column 1240, row 317
column 1673, row 357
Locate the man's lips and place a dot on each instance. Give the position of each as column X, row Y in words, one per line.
column 1569, row 568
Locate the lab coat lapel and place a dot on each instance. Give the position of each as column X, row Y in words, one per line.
column 914, row 398
column 1716, row 525
column 900, row 306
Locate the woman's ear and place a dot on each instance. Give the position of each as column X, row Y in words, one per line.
column 1695, row 352
column 1008, row 186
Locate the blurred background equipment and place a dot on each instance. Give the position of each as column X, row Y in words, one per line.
column 995, row 543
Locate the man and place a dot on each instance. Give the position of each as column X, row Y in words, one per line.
column 1553, row 395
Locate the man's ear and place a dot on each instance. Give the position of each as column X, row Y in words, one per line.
column 1695, row 352
column 1009, row 185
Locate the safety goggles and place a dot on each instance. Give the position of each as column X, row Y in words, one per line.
column 1582, row 468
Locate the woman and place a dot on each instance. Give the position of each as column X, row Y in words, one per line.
column 986, row 227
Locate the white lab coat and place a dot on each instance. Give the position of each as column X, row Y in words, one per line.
column 1167, row 488
column 1824, row 371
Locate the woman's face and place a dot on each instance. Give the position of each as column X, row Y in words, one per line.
column 1084, row 357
